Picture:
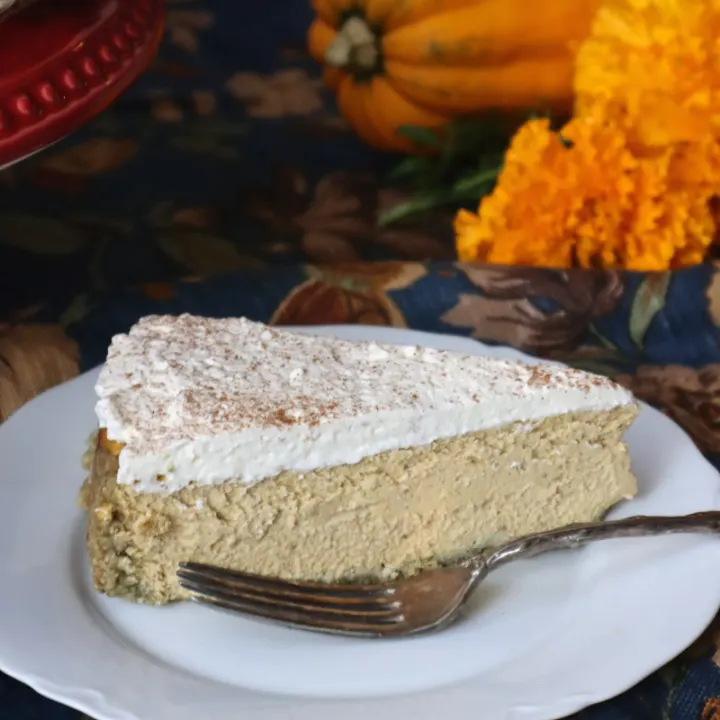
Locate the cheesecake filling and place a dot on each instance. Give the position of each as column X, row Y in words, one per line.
column 392, row 514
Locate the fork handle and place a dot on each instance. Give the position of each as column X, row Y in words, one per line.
column 574, row 536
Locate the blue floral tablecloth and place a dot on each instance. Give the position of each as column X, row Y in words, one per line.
column 225, row 183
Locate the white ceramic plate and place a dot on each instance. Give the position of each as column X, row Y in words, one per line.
column 549, row 636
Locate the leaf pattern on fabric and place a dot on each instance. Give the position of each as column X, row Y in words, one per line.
column 159, row 291
column 93, row 157
column 351, row 294
column 690, row 397
column 40, row 235
column 649, row 301
column 203, row 253
column 33, row 358
column 711, row 709
column 713, row 295
column 337, row 221
column 506, row 313
column 288, row 92
column 183, row 26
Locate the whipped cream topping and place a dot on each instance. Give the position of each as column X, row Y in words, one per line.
column 204, row 401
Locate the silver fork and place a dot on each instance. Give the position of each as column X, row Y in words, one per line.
column 428, row 601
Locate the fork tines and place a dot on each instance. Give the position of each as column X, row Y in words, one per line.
column 360, row 609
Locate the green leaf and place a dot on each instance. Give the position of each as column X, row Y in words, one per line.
column 405, row 169
column 39, row 235
column 467, row 135
column 465, row 189
column 418, row 204
column 202, row 253
column 425, row 137
column 648, row 302
column 475, row 184
column 468, row 156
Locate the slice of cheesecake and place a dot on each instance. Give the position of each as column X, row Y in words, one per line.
column 230, row 443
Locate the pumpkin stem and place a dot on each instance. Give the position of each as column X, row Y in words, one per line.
column 355, row 48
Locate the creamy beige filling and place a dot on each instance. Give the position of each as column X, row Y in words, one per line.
column 391, row 514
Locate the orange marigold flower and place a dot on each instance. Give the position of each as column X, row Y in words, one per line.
column 631, row 182
column 583, row 197
column 653, row 66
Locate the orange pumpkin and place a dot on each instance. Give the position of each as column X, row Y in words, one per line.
column 424, row 62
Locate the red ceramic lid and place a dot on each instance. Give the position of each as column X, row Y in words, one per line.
column 63, row 62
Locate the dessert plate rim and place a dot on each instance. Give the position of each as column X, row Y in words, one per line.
column 34, row 645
